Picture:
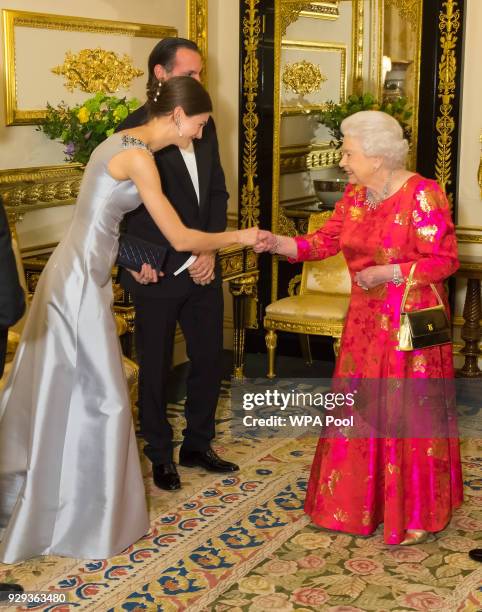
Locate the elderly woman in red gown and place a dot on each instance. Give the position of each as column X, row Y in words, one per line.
column 387, row 220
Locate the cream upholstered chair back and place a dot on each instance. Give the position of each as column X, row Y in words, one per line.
column 329, row 276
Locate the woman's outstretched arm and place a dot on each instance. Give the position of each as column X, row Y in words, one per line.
column 138, row 165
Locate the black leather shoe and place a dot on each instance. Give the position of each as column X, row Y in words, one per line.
column 476, row 554
column 7, row 588
column 166, row 477
column 208, row 459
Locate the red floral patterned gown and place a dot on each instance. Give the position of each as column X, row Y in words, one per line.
column 356, row 484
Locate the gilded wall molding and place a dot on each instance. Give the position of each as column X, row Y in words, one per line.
column 197, row 18
column 250, row 196
column 357, row 45
column 376, row 47
column 290, row 12
column 408, row 10
column 323, row 10
column 300, row 158
column 469, row 234
column 26, row 189
column 275, row 187
column 449, row 24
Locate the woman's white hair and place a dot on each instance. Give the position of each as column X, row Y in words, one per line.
column 379, row 134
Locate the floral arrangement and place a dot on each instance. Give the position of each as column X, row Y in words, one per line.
column 82, row 127
column 334, row 113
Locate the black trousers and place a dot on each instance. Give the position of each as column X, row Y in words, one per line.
column 200, row 315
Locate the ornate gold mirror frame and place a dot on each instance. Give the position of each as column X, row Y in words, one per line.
column 368, row 29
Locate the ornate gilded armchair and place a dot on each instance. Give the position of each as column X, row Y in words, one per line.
column 317, row 304
column 131, row 369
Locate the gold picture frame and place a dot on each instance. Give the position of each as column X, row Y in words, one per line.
column 329, row 9
column 316, row 47
column 12, row 20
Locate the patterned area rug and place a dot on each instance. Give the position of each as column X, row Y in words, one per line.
column 242, row 543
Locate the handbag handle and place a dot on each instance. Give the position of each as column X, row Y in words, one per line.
column 408, row 286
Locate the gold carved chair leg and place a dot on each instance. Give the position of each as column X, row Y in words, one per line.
column 271, row 342
column 306, row 349
column 336, row 345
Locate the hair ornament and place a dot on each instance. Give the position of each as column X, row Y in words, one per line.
column 158, row 91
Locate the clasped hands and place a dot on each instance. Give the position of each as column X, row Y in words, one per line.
column 201, row 271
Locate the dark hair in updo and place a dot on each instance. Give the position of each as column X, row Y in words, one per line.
column 183, row 91
column 164, row 53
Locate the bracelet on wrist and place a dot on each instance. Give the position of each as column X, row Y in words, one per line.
column 397, row 278
column 273, row 250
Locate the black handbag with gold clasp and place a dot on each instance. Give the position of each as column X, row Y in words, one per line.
column 424, row 327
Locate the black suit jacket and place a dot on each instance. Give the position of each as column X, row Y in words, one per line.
column 12, row 298
column 208, row 215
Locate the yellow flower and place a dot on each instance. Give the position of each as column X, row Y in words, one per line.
column 83, row 115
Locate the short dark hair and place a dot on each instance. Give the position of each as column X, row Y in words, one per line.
column 183, row 91
column 164, row 53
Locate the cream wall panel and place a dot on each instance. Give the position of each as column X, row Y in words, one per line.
column 469, row 201
column 223, row 85
column 223, row 76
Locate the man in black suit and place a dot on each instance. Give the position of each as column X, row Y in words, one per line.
column 12, row 307
column 193, row 180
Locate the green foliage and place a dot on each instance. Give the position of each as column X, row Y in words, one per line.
column 335, row 113
column 84, row 126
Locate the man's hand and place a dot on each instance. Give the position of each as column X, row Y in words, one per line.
column 202, row 270
column 147, row 275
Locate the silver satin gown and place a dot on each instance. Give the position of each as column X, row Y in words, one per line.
column 70, row 477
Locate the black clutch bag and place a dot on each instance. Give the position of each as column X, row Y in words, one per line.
column 133, row 252
column 424, row 327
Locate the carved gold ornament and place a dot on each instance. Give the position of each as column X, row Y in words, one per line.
column 302, row 77
column 290, row 12
column 250, row 196
column 329, row 9
column 449, row 24
column 94, row 70
column 25, row 189
column 198, row 30
column 408, row 10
